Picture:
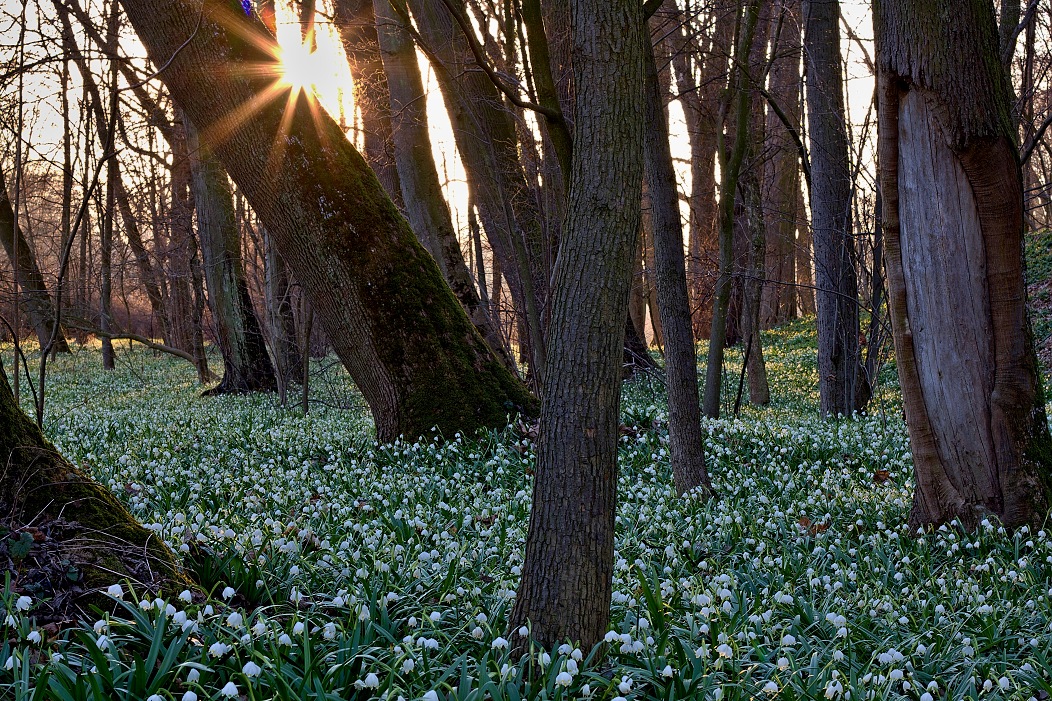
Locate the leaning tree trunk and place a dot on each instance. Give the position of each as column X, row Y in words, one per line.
column 837, row 298
column 381, row 300
column 425, row 205
column 246, row 365
column 37, row 301
column 83, row 538
column 567, row 575
column 953, row 219
column 686, row 442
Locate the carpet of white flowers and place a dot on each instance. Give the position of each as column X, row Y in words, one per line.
column 339, row 568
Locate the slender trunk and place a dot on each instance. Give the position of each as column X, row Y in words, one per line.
column 280, row 317
column 356, row 24
column 381, row 300
column 425, row 205
column 730, row 168
column 782, row 169
column 110, row 214
column 835, row 278
column 686, row 442
column 804, row 251
column 34, row 296
column 246, row 365
column 558, row 129
column 567, row 574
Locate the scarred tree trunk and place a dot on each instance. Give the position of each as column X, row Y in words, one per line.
column 390, row 317
column 246, row 365
column 953, row 218
column 425, row 205
column 837, row 294
column 686, row 442
column 35, row 297
column 567, row 575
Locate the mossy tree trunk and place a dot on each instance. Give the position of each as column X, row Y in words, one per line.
column 953, row 220
column 246, row 365
column 567, row 575
column 83, row 538
column 381, row 300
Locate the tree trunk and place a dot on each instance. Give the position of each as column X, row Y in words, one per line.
column 730, row 168
column 356, row 24
column 953, row 220
column 381, row 300
column 838, row 348
column 35, row 297
column 782, row 169
column 567, row 574
column 425, row 205
column 246, row 365
column 489, row 148
column 686, row 442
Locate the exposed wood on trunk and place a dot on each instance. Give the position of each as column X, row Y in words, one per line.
column 953, row 220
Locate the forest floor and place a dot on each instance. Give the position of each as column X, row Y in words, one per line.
column 339, row 566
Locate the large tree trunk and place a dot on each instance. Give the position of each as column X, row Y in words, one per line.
column 392, row 320
column 425, row 205
column 35, row 297
column 90, row 541
column 953, row 218
column 837, row 298
column 686, row 442
column 782, row 169
column 356, row 24
column 567, row 575
column 246, row 365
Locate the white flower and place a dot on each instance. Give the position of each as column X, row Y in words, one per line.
column 193, row 676
column 298, row 628
column 545, row 659
column 284, row 639
column 101, row 642
column 189, row 696
column 251, row 669
column 667, row 672
column 23, row 603
column 564, row 679
column 230, row 690
column 926, row 697
column 235, row 620
column 435, row 616
column 329, row 631
column 218, row 649
column 155, row 697
column 725, row 650
column 186, row 596
column 371, row 681
column 116, row 591
column 626, row 685
column 499, row 644
column 259, row 627
column 228, row 593
column 34, row 637
column 408, row 665
column 431, row 696
column 788, row 640
column 770, row 688
column 571, row 666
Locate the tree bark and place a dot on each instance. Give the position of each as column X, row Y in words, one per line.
column 782, row 169
column 246, row 365
column 953, row 220
column 425, row 205
column 835, row 278
column 381, row 300
column 36, row 299
column 686, row 442
column 567, row 574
